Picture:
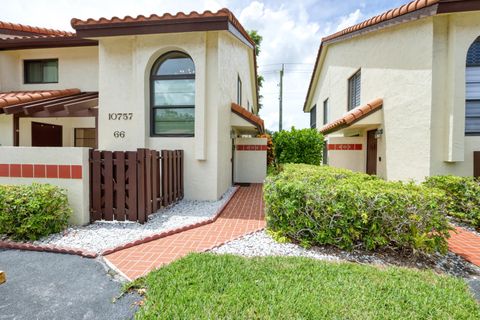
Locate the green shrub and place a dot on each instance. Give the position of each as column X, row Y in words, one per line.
column 298, row 146
column 463, row 197
column 29, row 212
column 320, row 205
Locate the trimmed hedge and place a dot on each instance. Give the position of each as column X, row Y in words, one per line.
column 320, row 205
column 463, row 197
column 29, row 212
column 298, row 146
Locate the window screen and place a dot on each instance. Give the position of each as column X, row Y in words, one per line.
column 354, row 91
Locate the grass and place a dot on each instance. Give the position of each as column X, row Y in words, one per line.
column 207, row 286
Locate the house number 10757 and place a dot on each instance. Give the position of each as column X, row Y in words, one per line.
column 120, row 116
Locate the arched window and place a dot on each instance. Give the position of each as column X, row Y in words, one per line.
column 472, row 105
column 172, row 87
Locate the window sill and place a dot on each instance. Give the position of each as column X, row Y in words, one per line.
column 39, row 82
column 172, row 136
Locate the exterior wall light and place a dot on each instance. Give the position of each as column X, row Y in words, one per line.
column 378, row 133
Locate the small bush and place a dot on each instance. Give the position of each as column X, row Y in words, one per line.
column 463, row 197
column 298, row 146
column 29, row 212
column 320, row 205
column 270, row 153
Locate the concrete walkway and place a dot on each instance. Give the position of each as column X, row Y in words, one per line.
column 244, row 214
column 465, row 244
column 50, row 286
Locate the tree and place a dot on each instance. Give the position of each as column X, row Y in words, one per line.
column 258, row 41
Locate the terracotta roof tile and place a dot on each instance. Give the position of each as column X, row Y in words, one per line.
column 14, row 27
column 15, row 97
column 141, row 19
column 391, row 14
column 352, row 116
column 247, row 115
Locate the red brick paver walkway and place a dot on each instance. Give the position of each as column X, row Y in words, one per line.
column 243, row 214
column 465, row 244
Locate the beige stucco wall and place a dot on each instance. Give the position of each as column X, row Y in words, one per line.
column 250, row 165
column 77, row 68
column 77, row 189
column 394, row 67
column 6, row 130
column 233, row 61
column 129, row 59
column 354, row 160
column 452, row 151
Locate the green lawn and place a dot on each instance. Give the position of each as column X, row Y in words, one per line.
column 207, row 286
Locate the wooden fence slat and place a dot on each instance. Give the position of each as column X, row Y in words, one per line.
column 170, row 177
column 148, row 183
column 164, row 178
column 120, row 188
column 141, row 185
column 181, row 174
column 131, row 186
column 108, row 184
column 96, row 189
column 155, row 176
column 174, row 177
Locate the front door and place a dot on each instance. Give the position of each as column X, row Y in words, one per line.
column 46, row 135
column 371, row 152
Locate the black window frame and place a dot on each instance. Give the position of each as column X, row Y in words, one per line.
column 474, row 65
column 325, row 111
column 43, row 61
column 153, row 108
column 313, row 117
column 239, row 90
column 352, row 94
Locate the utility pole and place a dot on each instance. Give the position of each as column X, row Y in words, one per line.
column 280, row 126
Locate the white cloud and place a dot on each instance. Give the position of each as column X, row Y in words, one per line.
column 350, row 20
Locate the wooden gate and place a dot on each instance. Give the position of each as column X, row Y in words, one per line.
column 132, row 185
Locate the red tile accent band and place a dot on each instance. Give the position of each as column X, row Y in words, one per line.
column 50, row 171
column 345, row 146
column 251, row 147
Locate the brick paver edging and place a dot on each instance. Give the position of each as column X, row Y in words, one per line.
column 47, row 248
column 171, row 231
column 5, row 244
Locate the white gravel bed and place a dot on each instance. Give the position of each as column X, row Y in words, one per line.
column 260, row 244
column 102, row 235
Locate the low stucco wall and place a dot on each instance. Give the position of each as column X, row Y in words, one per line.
column 67, row 168
column 347, row 153
column 250, row 160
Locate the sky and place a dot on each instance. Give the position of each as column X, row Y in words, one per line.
column 291, row 31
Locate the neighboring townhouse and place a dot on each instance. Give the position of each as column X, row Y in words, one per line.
column 175, row 82
column 398, row 95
